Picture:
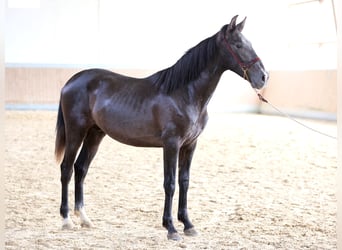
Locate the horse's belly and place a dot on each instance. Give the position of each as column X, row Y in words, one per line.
column 137, row 141
column 136, row 131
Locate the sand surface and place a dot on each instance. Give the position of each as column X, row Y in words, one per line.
column 257, row 182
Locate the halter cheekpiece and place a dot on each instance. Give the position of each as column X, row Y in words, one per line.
column 244, row 66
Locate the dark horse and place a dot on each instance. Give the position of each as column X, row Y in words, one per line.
column 167, row 109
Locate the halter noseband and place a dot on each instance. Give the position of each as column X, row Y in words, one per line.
column 244, row 66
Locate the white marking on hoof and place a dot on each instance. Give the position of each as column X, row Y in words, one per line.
column 67, row 224
column 190, row 232
column 85, row 221
column 174, row 236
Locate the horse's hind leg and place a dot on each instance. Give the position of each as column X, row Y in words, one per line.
column 73, row 142
column 88, row 151
column 185, row 158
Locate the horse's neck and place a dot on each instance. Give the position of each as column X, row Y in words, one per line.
column 202, row 89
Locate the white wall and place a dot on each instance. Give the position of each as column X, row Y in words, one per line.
column 127, row 33
column 153, row 34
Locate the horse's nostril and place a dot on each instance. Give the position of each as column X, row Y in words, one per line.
column 265, row 78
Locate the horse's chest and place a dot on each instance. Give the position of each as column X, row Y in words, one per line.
column 194, row 131
column 195, row 126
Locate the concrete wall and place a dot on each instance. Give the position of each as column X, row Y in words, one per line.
column 309, row 93
column 301, row 93
column 39, row 87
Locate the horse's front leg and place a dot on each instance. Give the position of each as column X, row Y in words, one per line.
column 185, row 158
column 171, row 150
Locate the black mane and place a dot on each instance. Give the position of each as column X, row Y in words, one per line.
column 187, row 68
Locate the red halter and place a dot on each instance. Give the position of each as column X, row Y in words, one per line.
column 244, row 66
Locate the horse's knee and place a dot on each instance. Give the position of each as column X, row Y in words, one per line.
column 184, row 184
column 169, row 187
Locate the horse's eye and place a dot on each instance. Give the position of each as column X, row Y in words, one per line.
column 238, row 45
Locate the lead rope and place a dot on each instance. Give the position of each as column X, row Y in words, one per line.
column 261, row 98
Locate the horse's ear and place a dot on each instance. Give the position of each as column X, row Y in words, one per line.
column 240, row 26
column 232, row 25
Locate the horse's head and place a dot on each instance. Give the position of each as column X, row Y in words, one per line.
column 240, row 56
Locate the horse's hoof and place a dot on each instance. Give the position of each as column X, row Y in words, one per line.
column 67, row 224
column 173, row 236
column 85, row 221
column 190, row 232
column 87, row 224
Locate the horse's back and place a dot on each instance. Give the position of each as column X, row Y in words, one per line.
column 83, row 78
column 80, row 85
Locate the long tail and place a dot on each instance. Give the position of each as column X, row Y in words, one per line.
column 60, row 135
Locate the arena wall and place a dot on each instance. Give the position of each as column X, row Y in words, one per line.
column 303, row 93
column 310, row 93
